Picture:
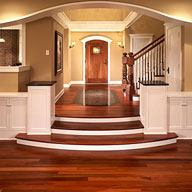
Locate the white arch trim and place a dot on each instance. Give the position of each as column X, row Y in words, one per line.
column 93, row 4
column 90, row 38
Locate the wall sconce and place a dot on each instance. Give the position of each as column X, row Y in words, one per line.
column 119, row 44
column 72, row 45
column 1, row 37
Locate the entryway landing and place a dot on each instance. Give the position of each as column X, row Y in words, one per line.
column 96, row 101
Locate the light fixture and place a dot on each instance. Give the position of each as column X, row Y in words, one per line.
column 119, row 44
column 72, row 45
column 1, row 38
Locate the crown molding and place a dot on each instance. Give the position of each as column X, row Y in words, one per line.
column 131, row 18
column 99, row 26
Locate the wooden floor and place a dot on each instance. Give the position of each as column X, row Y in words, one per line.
column 166, row 169
column 93, row 103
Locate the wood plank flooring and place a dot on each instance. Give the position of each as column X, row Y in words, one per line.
column 28, row 169
column 67, row 107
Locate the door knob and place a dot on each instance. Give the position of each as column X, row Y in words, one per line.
column 106, row 62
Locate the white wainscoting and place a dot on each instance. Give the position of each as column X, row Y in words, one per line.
column 41, row 109
column 13, row 114
column 153, row 109
column 180, row 114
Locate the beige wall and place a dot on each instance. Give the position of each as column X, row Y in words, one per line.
column 77, row 54
column 14, row 82
column 10, row 9
column 40, row 37
column 144, row 25
column 58, row 77
column 67, row 56
column 187, row 57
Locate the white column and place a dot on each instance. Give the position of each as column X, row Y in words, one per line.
column 41, row 108
column 153, row 108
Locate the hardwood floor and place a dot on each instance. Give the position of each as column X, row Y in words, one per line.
column 162, row 169
column 89, row 101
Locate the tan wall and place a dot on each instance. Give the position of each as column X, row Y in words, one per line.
column 144, row 25
column 14, row 82
column 67, row 56
column 58, row 77
column 23, row 80
column 10, row 82
column 13, row 9
column 77, row 54
column 187, row 57
column 40, row 37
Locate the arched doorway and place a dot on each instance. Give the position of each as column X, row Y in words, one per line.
column 96, row 38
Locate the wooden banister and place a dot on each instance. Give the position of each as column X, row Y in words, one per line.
column 130, row 87
column 146, row 51
column 148, row 45
column 146, row 65
column 124, row 80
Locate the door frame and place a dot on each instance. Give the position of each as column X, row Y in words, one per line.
column 90, row 38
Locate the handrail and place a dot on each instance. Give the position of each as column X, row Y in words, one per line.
column 149, row 49
column 149, row 45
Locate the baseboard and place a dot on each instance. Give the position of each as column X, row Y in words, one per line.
column 59, row 95
column 77, row 82
column 66, row 85
column 115, row 82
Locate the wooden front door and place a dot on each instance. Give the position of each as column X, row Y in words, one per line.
column 96, row 63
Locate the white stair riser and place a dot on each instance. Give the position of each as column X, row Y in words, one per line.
column 97, row 120
column 97, row 147
column 115, row 132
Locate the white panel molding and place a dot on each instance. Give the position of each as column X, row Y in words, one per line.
column 40, row 121
column 59, row 95
column 179, row 111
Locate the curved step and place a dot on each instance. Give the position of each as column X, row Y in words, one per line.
column 96, row 143
column 70, row 128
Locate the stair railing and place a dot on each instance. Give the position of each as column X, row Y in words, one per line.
column 145, row 65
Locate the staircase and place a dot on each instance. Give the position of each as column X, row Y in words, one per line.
column 110, row 134
column 96, row 137
column 148, row 64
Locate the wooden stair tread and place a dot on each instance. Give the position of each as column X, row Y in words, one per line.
column 97, row 126
column 96, row 140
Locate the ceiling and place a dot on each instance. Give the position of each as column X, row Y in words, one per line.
column 97, row 14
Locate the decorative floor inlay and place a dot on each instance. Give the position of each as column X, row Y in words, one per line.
column 97, row 97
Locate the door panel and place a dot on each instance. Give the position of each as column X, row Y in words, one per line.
column 173, row 58
column 96, row 66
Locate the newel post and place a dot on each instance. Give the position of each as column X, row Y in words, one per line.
column 124, row 80
column 130, row 87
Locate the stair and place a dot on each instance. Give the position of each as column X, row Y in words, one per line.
column 71, row 128
column 96, row 137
